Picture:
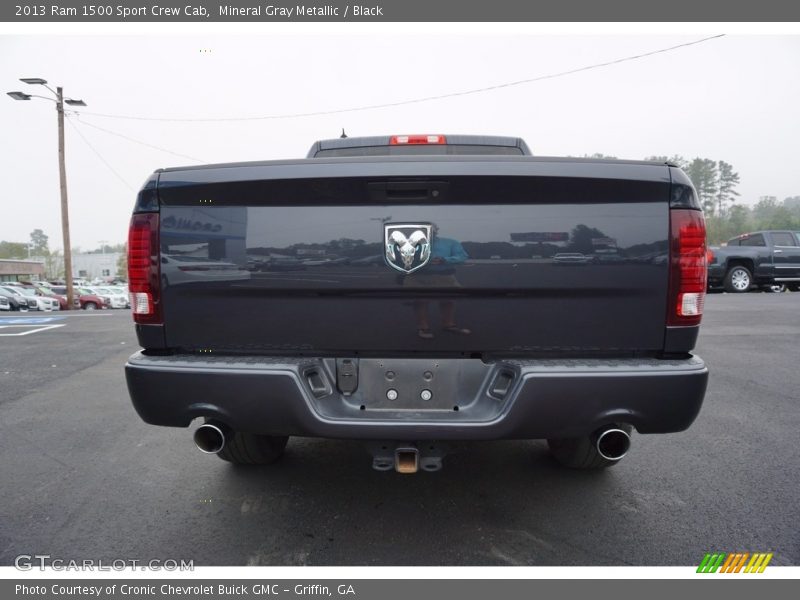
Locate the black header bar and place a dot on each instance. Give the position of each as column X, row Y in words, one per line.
column 391, row 11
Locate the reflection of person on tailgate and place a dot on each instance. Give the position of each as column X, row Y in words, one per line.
column 440, row 272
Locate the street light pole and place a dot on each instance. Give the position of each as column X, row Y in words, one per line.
column 62, row 170
column 62, row 180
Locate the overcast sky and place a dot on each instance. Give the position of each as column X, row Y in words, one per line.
column 735, row 99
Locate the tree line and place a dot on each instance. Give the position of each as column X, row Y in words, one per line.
column 716, row 182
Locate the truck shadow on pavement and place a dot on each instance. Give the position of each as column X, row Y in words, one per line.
column 492, row 503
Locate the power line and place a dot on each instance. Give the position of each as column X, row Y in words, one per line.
column 100, row 156
column 468, row 92
column 135, row 141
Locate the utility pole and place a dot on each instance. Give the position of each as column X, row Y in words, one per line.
column 62, row 169
column 62, row 179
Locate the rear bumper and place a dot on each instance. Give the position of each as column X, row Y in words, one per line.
column 544, row 399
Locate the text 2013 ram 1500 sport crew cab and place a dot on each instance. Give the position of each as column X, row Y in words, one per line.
column 419, row 301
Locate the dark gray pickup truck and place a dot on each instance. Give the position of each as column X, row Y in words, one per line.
column 457, row 289
column 766, row 259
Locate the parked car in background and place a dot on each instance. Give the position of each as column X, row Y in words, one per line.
column 47, row 292
column 22, row 301
column 279, row 263
column 98, row 300
column 61, row 292
column 765, row 259
column 114, row 298
column 15, row 302
column 123, row 291
column 4, row 303
column 62, row 300
column 45, row 303
column 572, row 258
column 82, row 299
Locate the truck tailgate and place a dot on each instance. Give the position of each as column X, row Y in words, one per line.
column 542, row 257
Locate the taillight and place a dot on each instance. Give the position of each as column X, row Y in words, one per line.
column 688, row 268
column 416, row 139
column 143, row 270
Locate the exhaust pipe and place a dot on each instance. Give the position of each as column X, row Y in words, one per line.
column 613, row 443
column 210, row 437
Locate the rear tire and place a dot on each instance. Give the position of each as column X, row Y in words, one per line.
column 775, row 288
column 90, row 306
column 738, row 280
column 253, row 449
column 581, row 453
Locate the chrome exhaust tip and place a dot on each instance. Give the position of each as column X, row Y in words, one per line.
column 613, row 443
column 209, row 438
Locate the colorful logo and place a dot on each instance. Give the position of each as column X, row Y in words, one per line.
column 735, row 562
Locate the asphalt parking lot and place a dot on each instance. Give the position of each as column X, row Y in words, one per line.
column 83, row 477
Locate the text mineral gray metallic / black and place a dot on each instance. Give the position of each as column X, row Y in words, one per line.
column 299, row 10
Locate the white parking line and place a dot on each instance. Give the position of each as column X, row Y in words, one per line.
column 34, row 329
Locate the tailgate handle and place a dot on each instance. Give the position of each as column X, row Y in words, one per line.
column 408, row 191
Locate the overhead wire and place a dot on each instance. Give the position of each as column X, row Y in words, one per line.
column 467, row 92
column 100, row 156
column 135, row 141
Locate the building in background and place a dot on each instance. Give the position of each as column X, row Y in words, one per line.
column 21, row 270
column 95, row 266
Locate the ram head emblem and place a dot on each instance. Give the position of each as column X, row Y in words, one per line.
column 408, row 246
